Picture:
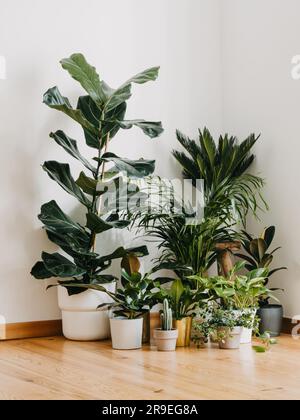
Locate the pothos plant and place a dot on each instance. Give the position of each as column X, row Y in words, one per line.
column 101, row 114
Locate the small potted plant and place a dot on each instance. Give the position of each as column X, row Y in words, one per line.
column 166, row 336
column 240, row 294
column 184, row 302
column 228, row 328
column 128, row 308
column 258, row 255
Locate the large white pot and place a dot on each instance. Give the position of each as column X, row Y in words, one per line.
column 126, row 334
column 80, row 318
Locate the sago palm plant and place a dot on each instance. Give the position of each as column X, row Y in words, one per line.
column 230, row 192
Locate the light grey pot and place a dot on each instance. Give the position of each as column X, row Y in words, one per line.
column 232, row 341
column 165, row 340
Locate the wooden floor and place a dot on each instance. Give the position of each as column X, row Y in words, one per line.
column 54, row 368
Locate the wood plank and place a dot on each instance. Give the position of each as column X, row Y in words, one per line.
column 30, row 329
column 52, row 368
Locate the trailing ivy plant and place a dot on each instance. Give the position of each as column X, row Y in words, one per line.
column 101, row 114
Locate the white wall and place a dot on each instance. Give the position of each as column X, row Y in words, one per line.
column 119, row 37
column 259, row 38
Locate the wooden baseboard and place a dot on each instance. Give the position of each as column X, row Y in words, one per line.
column 30, row 329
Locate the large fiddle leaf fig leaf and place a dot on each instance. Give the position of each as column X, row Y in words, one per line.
column 97, row 225
column 150, row 128
column 86, row 75
column 39, row 271
column 54, row 99
column 60, row 266
column 123, row 93
column 70, row 146
column 60, row 172
column 55, row 219
column 87, row 184
column 109, row 121
column 71, row 244
column 134, row 168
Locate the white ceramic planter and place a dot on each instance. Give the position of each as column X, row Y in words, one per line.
column 246, row 335
column 126, row 334
column 80, row 318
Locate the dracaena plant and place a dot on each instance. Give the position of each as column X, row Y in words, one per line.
column 230, row 192
column 101, row 114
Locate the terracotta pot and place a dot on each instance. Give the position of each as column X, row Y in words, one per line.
column 165, row 340
column 184, row 327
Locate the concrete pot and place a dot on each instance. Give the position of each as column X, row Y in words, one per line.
column 271, row 317
column 232, row 341
column 80, row 318
column 126, row 334
column 165, row 340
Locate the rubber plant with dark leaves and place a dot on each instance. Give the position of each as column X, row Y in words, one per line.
column 258, row 254
column 101, row 114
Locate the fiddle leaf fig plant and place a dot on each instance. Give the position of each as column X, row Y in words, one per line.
column 101, row 114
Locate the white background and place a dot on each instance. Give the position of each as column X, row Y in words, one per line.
column 224, row 64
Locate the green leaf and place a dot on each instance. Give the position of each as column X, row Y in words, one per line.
column 39, row 271
column 86, row 75
column 60, row 266
column 151, row 128
column 54, row 99
column 70, row 146
column 109, row 122
column 135, row 168
column 268, row 235
column 98, row 225
column 177, row 290
column 259, row 349
column 123, row 93
column 88, row 185
column 60, row 172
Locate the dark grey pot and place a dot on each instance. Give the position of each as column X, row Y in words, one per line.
column 270, row 319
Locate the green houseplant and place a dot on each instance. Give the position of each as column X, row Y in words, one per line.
column 128, row 304
column 184, row 301
column 166, row 336
column 101, row 114
column 258, row 255
column 238, row 293
column 230, row 191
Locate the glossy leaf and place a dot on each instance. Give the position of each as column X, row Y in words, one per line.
column 70, row 146
column 86, row 75
column 39, row 271
column 123, row 93
column 133, row 168
column 54, row 99
column 60, row 172
column 98, row 225
column 60, row 266
column 150, row 128
column 87, row 184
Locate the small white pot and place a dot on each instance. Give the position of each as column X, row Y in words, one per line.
column 126, row 334
column 80, row 318
column 246, row 335
column 165, row 340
